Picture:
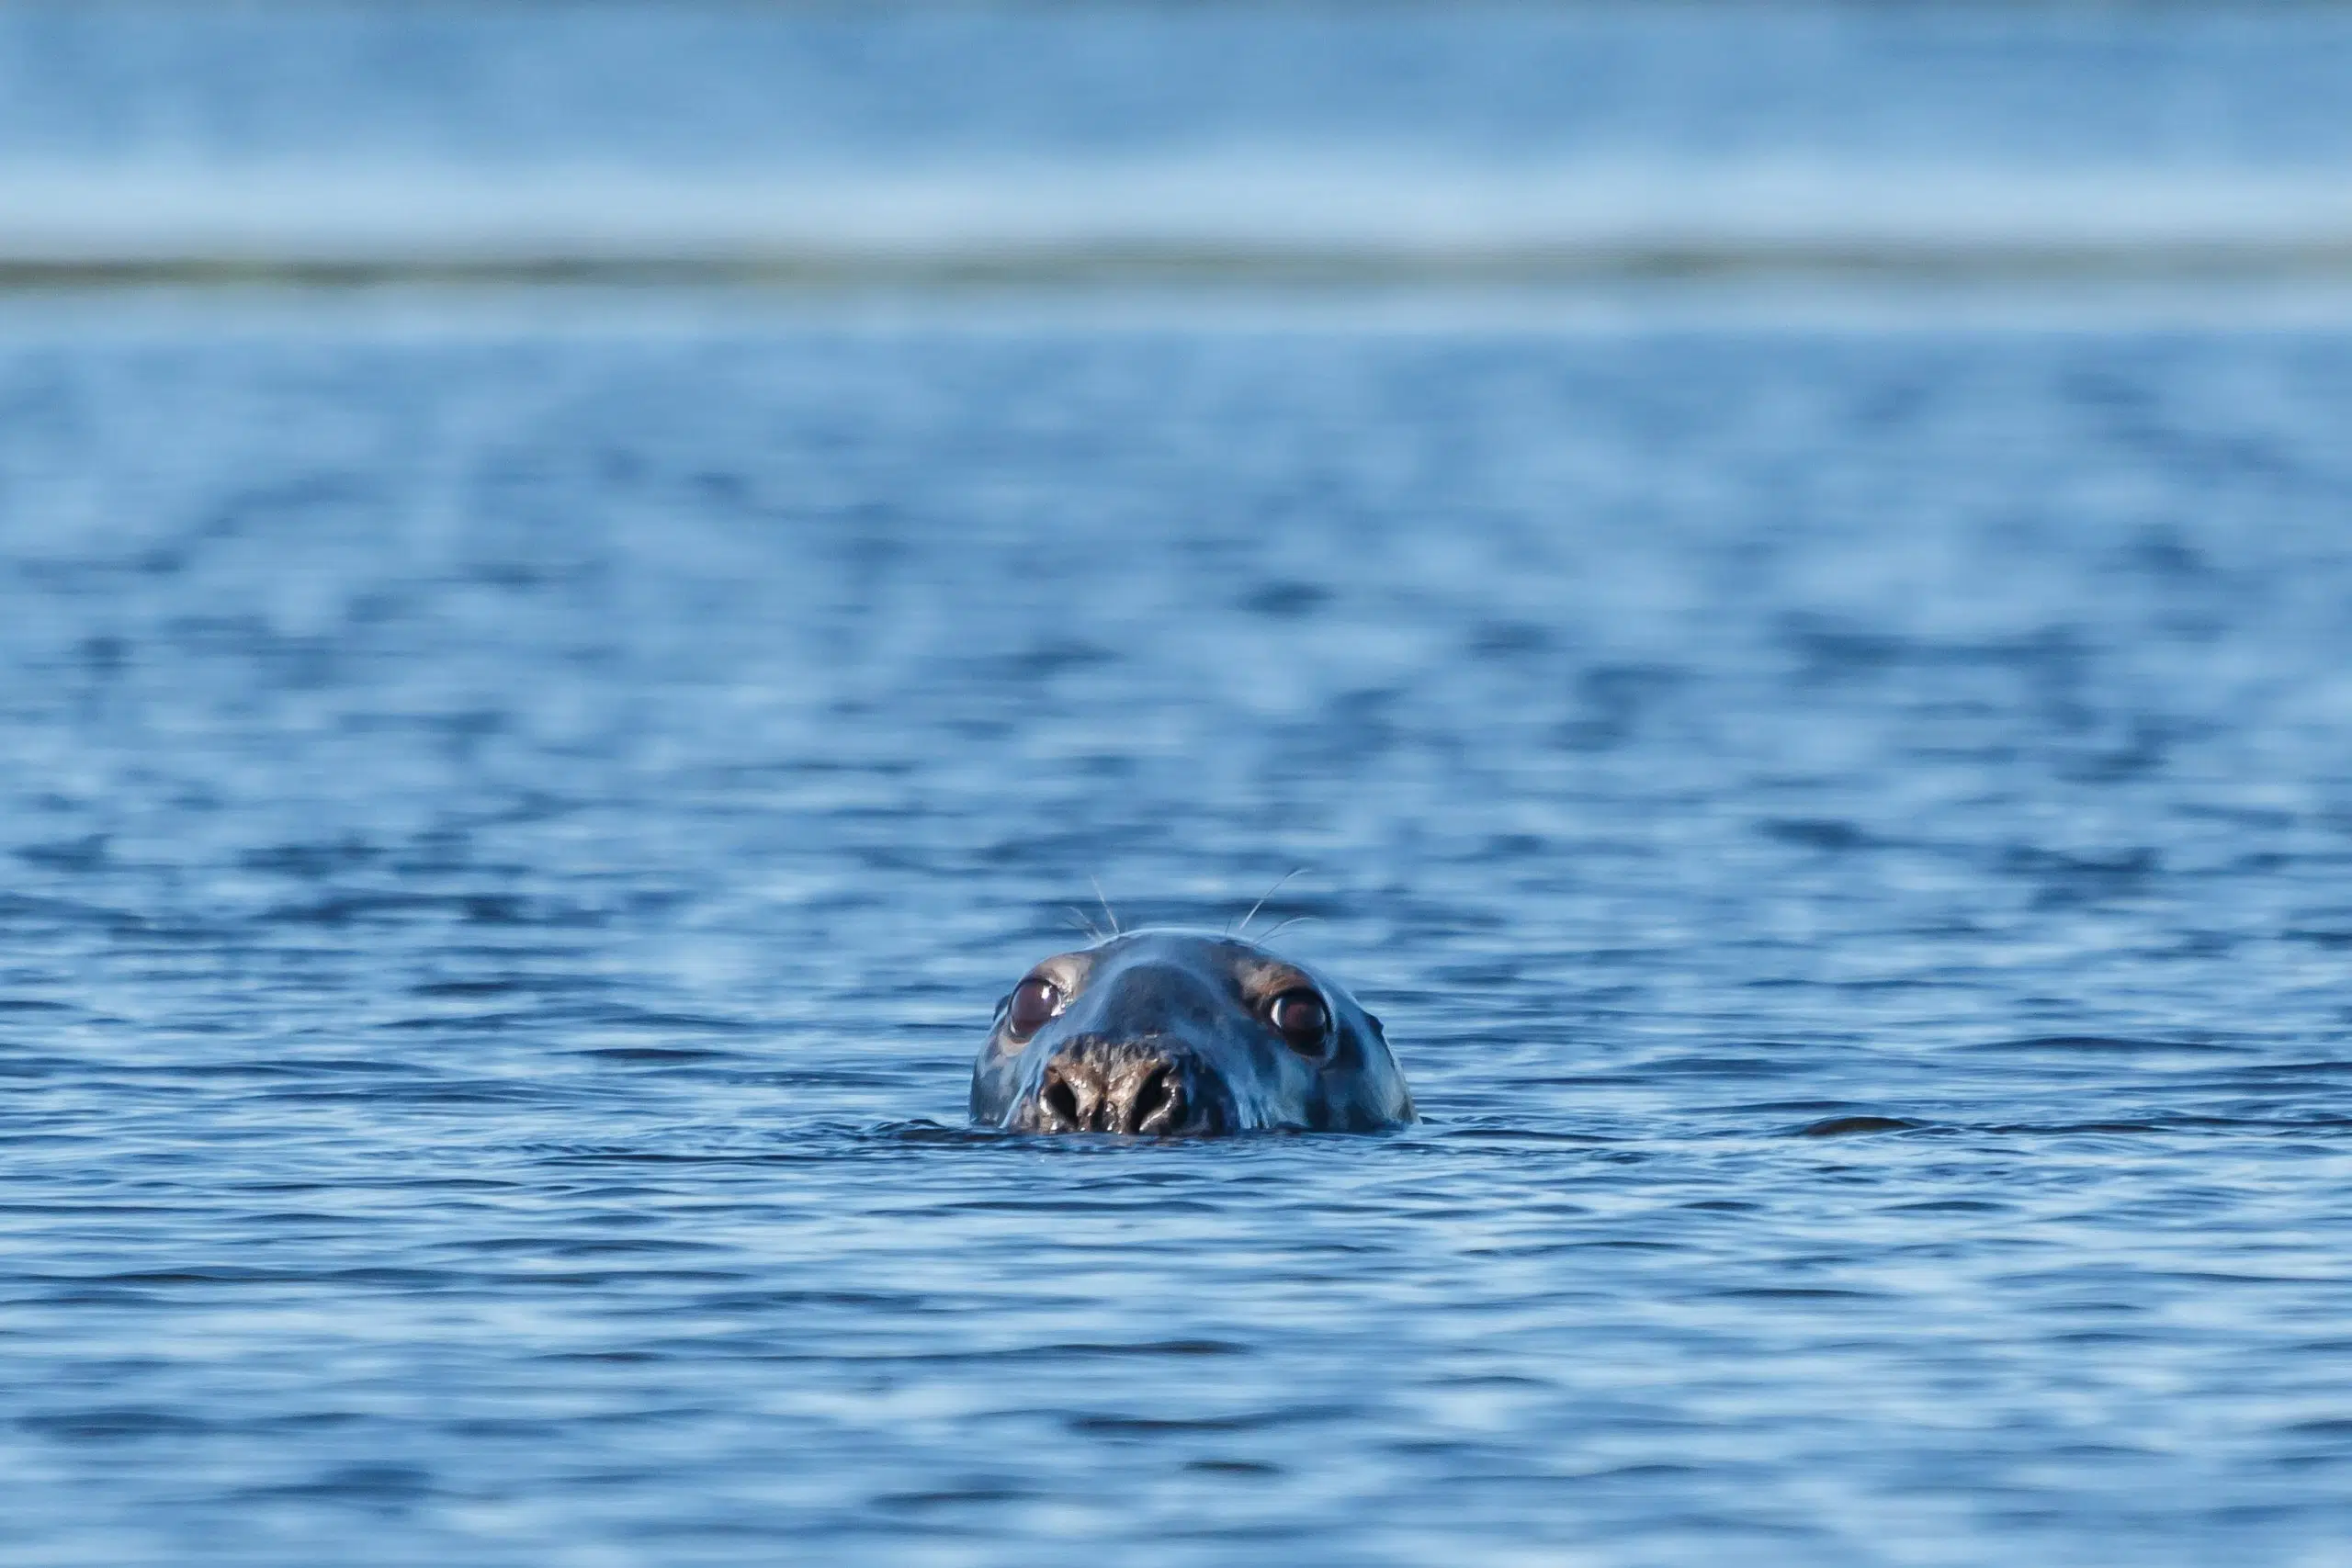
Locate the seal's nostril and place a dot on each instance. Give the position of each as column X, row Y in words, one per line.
column 1152, row 1096
column 1097, row 1086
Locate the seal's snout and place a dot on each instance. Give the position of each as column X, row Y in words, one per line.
column 1096, row 1085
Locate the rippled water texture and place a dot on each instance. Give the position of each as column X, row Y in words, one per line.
column 513, row 836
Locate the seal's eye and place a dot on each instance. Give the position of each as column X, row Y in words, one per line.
column 1033, row 1002
column 1300, row 1017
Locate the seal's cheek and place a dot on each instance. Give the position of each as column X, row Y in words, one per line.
column 996, row 1082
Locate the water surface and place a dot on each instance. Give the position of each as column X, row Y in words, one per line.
column 514, row 831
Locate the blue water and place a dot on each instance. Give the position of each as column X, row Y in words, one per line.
column 514, row 837
column 517, row 808
column 2253, row 86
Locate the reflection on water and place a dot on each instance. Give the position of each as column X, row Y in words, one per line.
column 514, row 836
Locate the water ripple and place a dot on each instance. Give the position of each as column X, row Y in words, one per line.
column 514, row 836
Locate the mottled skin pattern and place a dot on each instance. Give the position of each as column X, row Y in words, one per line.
column 1172, row 1033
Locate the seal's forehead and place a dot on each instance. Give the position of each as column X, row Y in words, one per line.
column 1242, row 964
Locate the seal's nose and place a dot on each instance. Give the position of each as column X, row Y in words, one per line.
column 1093, row 1087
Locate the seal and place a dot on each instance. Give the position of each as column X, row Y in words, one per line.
column 1176, row 1033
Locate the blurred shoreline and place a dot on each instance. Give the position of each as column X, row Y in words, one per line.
column 1300, row 146
column 1281, row 220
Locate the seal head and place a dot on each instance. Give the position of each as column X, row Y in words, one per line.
column 1182, row 1033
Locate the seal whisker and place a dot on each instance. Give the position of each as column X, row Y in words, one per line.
column 1114, row 914
column 1294, row 921
column 1261, row 902
column 1078, row 918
